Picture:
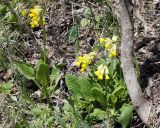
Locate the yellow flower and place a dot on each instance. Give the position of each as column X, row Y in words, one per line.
column 108, row 45
column 82, row 69
column 35, row 15
column 107, row 77
column 99, row 75
column 102, row 71
column 112, row 51
column 113, row 54
column 102, row 40
column 84, row 66
column 78, row 63
column 84, row 60
column 34, row 24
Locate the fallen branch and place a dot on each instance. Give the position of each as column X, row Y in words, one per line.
column 139, row 102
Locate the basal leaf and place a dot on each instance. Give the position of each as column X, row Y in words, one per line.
column 113, row 66
column 73, row 84
column 25, row 69
column 98, row 96
column 41, row 72
column 99, row 114
column 112, row 99
column 86, row 87
column 118, row 91
column 125, row 115
column 54, row 75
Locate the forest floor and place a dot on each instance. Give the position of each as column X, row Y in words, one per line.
column 61, row 17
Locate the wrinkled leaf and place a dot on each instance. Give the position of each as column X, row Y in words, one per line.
column 118, row 91
column 54, row 75
column 41, row 73
column 113, row 66
column 86, row 87
column 126, row 113
column 79, row 86
column 98, row 96
column 112, row 99
column 25, row 69
column 99, row 114
column 72, row 84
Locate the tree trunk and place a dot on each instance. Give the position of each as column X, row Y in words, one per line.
column 140, row 104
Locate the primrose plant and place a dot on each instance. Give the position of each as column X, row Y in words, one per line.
column 35, row 16
column 99, row 92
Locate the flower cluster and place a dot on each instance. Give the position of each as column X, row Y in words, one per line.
column 102, row 71
column 84, row 60
column 109, row 45
column 36, row 16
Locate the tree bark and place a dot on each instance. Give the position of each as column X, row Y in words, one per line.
column 140, row 104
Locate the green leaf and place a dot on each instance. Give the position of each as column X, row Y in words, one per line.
column 99, row 114
column 112, row 99
column 86, row 125
column 103, row 61
column 72, row 84
column 3, row 9
column 118, row 91
column 85, row 86
column 98, row 96
column 73, row 33
column 84, row 22
column 54, row 75
column 126, row 113
column 41, row 72
column 25, row 69
column 79, row 86
column 6, row 88
column 113, row 66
